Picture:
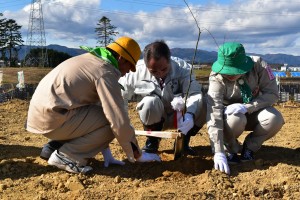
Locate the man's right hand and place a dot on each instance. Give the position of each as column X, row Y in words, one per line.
column 187, row 124
column 221, row 164
column 148, row 157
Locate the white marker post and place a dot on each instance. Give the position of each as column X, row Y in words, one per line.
column 21, row 84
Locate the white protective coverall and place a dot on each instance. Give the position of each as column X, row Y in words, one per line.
column 156, row 103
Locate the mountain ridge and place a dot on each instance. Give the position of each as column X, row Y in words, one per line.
column 202, row 56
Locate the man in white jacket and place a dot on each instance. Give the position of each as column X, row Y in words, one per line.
column 159, row 78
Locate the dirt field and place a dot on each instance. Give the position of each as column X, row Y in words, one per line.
column 275, row 174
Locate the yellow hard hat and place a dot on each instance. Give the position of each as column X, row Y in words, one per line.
column 128, row 48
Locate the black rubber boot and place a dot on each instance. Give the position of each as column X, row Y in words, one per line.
column 152, row 143
column 49, row 148
column 186, row 148
column 247, row 154
column 186, row 141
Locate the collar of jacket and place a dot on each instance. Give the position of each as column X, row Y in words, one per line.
column 102, row 53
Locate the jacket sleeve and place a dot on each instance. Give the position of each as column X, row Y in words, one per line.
column 194, row 96
column 189, row 82
column 214, row 115
column 113, row 108
column 268, row 89
column 130, row 80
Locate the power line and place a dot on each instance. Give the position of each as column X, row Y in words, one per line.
column 178, row 19
column 162, row 5
column 206, row 8
column 147, row 16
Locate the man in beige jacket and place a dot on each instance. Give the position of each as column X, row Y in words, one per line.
column 79, row 104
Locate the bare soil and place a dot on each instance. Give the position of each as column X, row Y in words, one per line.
column 275, row 174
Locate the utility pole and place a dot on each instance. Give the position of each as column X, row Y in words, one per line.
column 36, row 37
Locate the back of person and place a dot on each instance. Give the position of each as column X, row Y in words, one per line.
column 70, row 85
column 79, row 107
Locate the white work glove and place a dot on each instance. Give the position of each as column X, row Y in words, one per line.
column 221, row 164
column 235, row 108
column 148, row 157
column 187, row 124
column 109, row 159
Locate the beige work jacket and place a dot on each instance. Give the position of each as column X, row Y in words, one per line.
column 80, row 81
column 222, row 92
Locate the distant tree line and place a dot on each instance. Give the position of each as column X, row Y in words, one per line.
column 54, row 57
column 10, row 40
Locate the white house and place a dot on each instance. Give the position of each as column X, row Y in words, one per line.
column 284, row 67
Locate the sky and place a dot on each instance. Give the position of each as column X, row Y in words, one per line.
column 262, row 26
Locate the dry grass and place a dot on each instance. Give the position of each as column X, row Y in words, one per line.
column 32, row 75
column 201, row 73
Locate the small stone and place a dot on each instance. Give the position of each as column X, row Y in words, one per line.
column 27, row 138
column 60, row 186
column 65, row 177
column 2, row 187
column 2, row 161
column 227, row 185
column 73, row 186
column 137, row 183
column 117, row 179
column 167, row 173
column 210, row 191
column 29, row 160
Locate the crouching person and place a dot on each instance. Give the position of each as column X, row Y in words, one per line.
column 241, row 93
column 79, row 107
column 159, row 78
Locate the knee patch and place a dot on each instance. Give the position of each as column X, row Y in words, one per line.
column 150, row 110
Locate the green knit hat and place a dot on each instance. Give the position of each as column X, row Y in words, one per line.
column 232, row 60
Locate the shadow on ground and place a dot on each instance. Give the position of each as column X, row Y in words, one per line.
column 19, row 161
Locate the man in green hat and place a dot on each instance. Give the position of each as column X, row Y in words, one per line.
column 241, row 93
column 79, row 107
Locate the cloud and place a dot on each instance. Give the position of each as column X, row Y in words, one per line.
column 262, row 26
